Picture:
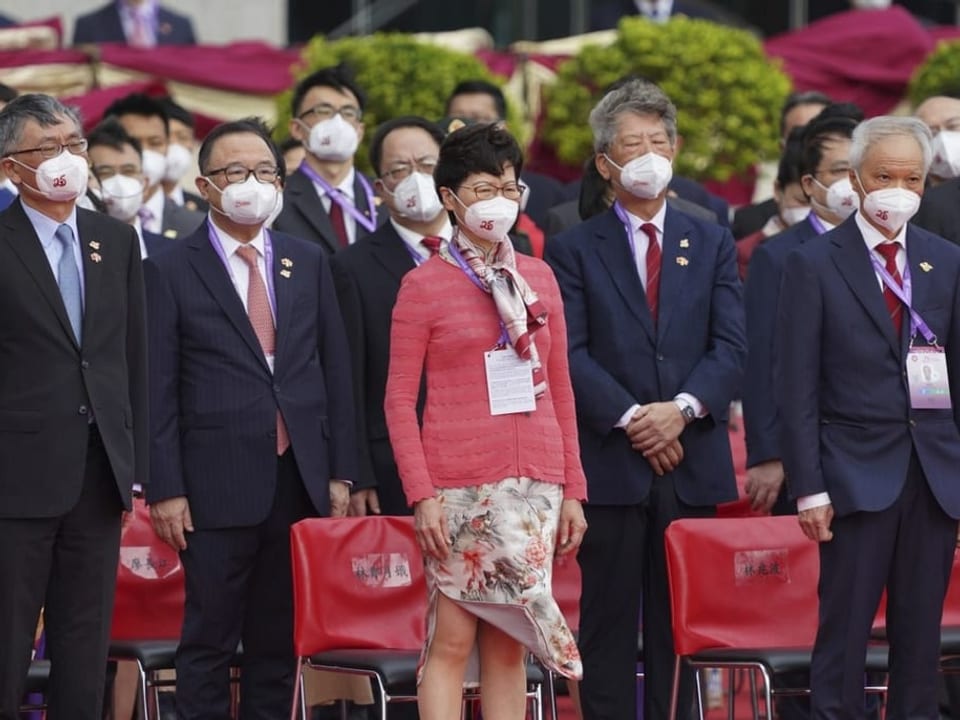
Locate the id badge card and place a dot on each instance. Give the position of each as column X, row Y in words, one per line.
column 927, row 379
column 509, row 382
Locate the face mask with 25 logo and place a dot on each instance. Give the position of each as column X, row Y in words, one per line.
column 61, row 178
column 415, row 197
column 248, row 203
column 490, row 219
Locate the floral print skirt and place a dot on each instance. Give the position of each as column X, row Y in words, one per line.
column 502, row 539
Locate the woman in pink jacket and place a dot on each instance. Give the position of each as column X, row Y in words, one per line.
column 494, row 474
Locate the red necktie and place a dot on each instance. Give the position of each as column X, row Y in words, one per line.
column 889, row 252
column 653, row 269
column 258, row 308
column 432, row 243
column 336, row 219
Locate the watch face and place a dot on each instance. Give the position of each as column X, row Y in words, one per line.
column 688, row 414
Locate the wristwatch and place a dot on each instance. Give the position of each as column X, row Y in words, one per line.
column 687, row 411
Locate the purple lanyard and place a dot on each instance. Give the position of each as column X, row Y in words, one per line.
column 905, row 295
column 627, row 225
column 817, row 223
column 418, row 259
column 267, row 263
column 370, row 223
column 468, row 271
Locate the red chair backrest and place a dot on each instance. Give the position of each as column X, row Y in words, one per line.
column 148, row 604
column 357, row 584
column 741, row 583
column 566, row 589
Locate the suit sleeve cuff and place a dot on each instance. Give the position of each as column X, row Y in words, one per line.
column 698, row 408
column 625, row 418
column 808, row 502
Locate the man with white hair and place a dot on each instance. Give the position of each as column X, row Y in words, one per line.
column 870, row 449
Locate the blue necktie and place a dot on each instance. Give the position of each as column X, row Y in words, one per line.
column 69, row 280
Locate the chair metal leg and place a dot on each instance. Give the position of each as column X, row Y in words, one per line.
column 699, row 680
column 768, row 692
column 731, row 693
column 142, row 687
column 298, row 694
column 754, row 702
column 551, row 698
column 675, row 690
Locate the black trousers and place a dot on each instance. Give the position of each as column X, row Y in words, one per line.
column 239, row 587
column 623, row 557
column 67, row 566
column 907, row 548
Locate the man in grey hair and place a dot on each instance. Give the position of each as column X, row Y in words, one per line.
column 656, row 340
column 73, row 412
column 870, row 446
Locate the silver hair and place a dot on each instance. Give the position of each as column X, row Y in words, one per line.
column 634, row 96
column 870, row 132
column 44, row 109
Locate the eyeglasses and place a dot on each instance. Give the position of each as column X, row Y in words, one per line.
column 238, row 173
column 401, row 171
column 325, row 111
column 51, row 150
column 103, row 172
column 488, row 191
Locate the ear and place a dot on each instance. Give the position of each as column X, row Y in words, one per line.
column 360, row 130
column 446, row 197
column 678, row 144
column 603, row 166
column 855, row 183
column 202, row 187
column 380, row 188
column 296, row 130
column 806, row 182
column 11, row 170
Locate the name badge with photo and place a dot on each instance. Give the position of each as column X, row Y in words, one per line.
column 509, row 382
column 927, row 379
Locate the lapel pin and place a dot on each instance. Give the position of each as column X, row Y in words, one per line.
column 685, row 243
column 95, row 257
column 925, row 266
column 286, row 262
column 94, row 244
column 172, row 234
column 682, row 261
column 285, row 273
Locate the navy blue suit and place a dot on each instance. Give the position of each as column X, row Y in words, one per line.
column 156, row 243
column 760, row 295
column 847, row 428
column 6, row 198
column 618, row 358
column 214, row 405
column 104, row 26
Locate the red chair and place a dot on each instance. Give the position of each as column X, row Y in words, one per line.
column 718, row 569
column 360, row 603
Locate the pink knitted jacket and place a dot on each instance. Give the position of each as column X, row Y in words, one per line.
column 443, row 320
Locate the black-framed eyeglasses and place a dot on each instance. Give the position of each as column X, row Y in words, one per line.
column 51, row 150
column 403, row 170
column 325, row 111
column 238, row 173
column 488, row 191
column 104, row 172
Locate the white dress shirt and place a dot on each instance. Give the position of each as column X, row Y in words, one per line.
column 345, row 188
column 656, row 10
column 872, row 238
column 46, row 227
column 413, row 240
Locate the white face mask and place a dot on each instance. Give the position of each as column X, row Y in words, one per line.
column 415, row 197
column 276, row 211
column 793, row 215
column 841, row 199
column 62, row 178
column 333, row 139
column 646, row 176
column 154, row 167
column 490, row 219
column 179, row 160
column 946, row 154
column 123, row 196
column 870, row 4
column 248, row 203
column 890, row 208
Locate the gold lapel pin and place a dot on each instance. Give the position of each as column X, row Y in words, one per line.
column 94, row 244
column 286, row 262
column 171, row 233
column 685, row 243
column 682, row 261
column 95, row 257
column 926, row 267
column 285, row 273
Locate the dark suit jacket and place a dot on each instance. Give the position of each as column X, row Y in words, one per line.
column 50, row 386
column 104, row 26
column 157, row 243
column 760, row 296
column 545, row 192
column 367, row 277
column 177, row 221
column 213, row 398
column 750, row 218
column 618, row 358
column 567, row 214
column 303, row 215
column 940, row 211
column 847, row 427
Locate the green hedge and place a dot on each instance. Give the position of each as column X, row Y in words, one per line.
column 938, row 75
column 728, row 93
column 399, row 74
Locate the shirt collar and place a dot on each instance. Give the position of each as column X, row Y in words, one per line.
column 345, row 187
column 873, row 237
column 412, row 239
column 46, row 226
column 155, row 205
column 657, row 220
column 230, row 244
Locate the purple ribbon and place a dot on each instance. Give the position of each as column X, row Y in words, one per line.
column 905, row 295
column 468, row 271
column 817, row 223
column 622, row 214
column 370, row 223
column 267, row 263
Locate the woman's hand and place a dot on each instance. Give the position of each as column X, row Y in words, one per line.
column 431, row 528
column 571, row 528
